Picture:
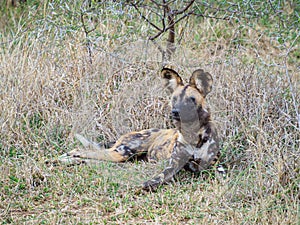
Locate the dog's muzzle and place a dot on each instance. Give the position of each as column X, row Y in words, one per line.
column 175, row 114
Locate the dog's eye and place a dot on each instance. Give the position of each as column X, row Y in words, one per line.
column 193, row 99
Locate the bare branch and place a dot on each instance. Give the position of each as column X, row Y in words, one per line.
column 181, row 18
column 169, row 27
column 87, row 31
column 177, row 12
column 208, row 16
column 144, row 17
column 157, row 35
column 164, row 3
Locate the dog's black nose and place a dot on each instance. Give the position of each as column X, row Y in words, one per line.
column 175, row 114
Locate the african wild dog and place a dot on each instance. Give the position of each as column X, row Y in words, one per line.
column 192, row 145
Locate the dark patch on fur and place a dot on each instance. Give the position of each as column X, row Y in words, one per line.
column 182, row 94
column 155, row 130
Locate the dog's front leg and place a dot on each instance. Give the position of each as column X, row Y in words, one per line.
column 179, row 158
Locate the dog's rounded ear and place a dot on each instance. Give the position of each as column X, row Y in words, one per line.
column 202, row 81
column 173, row 80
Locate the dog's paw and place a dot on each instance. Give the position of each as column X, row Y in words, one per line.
column 151, row 185
column 69, row 160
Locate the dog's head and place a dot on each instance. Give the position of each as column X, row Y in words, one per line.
column 188, row 100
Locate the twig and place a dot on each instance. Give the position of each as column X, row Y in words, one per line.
column 88, row 42
column 145, row 18
column 177, row 12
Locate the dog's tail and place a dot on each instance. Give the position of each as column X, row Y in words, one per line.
column 95, row 151
column 69, row 159
column 87, row 143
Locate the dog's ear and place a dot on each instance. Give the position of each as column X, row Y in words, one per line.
column 202, row 81
column 173, row 80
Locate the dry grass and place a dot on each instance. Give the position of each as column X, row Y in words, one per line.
column 50, row 90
